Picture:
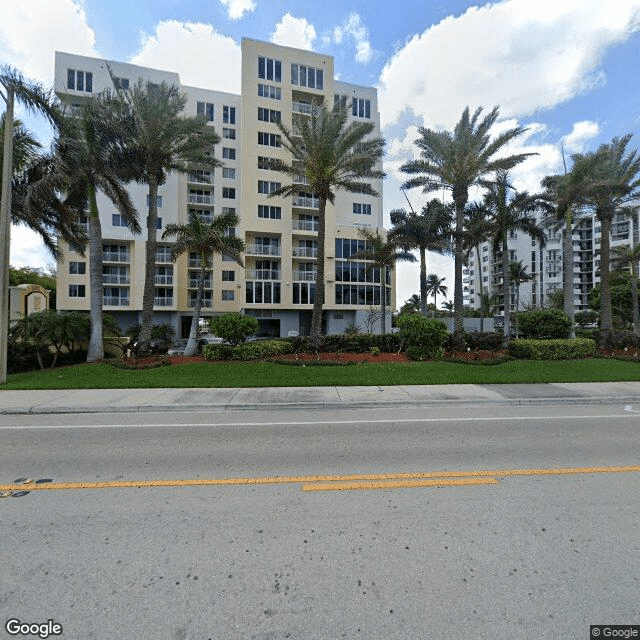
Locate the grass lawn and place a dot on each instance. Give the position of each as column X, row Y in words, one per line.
column 266, row 374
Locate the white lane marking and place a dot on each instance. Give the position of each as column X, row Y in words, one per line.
column 316, row 423
column 628, row 407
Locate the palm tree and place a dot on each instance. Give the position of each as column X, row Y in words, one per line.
column 35, row 98
column 447, row 305
column 611, row 183
column 435, row 286
column 517, row 276
column 477, row 231
column 428, row 231
column 383, row 255
column 162, row 141
column 330, row 153
column 205, row 239
column 87, row 160
column 625, row 257
column 414, row 301
column 511, row 212
column 456, row 161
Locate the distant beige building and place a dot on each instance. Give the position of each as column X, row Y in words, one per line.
column 25, row 299
column 278, row 281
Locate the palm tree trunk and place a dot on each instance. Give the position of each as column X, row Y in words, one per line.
column 383, row 299
column 606, row 315
column 634, row 302
column 567, row 268
column 458, row 302
column 192, row 344
column 95, row 351
column 479, row 269
column 150, row 266
column 423, row 282
column 506, row 291
column 315, row 337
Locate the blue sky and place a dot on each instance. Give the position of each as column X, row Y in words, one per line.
column 566, row 69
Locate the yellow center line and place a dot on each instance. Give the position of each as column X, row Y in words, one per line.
column 393, row 484
column 309, row 480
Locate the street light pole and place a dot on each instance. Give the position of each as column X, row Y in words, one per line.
column 5, row 232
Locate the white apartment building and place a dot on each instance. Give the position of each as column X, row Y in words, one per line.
column 546, row 263
column 278, row 282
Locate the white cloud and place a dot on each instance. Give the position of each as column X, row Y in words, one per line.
column 294, row 32
column 27, row 249
column 202, row 56
column 521, row 55
column 354, row 28
column 237, row 8
column 31, row 33
column 582, row 132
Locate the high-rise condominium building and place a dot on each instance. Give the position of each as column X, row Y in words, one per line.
column 278, row 282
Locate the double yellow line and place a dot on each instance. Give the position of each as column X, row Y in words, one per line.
column 332, row 482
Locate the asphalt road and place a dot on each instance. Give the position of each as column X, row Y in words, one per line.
column 258, row 538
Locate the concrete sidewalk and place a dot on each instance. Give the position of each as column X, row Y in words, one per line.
column 278, row 398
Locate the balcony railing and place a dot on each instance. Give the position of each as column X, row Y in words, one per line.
column 112, row 301
column 206, row 304
column 164, row 280
column 208, row 219
column 300, row 180
column 109, row 278
column 303, row 107
column 162, row 256
column 263, row 274
column 309, row 203
column 263, row 250
column 305, row 276
column 193, row 283
column 305, row 252
column 109, row 256
column 198, row 199
column 204, row 177
column 162, row 302
column 305, row 225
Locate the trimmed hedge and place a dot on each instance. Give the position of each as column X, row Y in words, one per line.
column 486, row 341
column 350, row 343
column 567, row 349
column 423, row 338
column 543, row 324
column 247, row 351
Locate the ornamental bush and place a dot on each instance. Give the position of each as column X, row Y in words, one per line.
column 567, row 349
column 544, row 324
column 247, row 351
column 233, row 327
column 422, row 338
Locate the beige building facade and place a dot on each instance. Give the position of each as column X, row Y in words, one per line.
column 277, row 283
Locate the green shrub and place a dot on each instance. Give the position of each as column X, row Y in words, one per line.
column 544, row 324
column 567, row 349
column 612, row 339
column 486, row 341
column 374, row 351
column 421, row 337
column 247, row 351
column 233, row 327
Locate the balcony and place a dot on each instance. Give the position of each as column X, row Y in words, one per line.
column 305, row 252
column 109, row 256
column 262, row 250
column 200, row 199
column 162, row 302
column 305, row 225
column 193, row 283
column 200, row 177
column 303, row 107
column 109, row 278
column 308, row 203
column 111, row 301
column 304, row 276
column 206, row 304
column 300, row 180
column 263, row 274
column 164, row 280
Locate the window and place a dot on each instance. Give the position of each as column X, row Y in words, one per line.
column 76, row 291
column 269, row 69
column 362, row 209
column 228, row 276
column 201, row 196
column 232, row 232
column 306, row 76
column 264, row 162
column 77, row 268
column 269, row 91
column 269, row 115
column 159, row 223
column 262, row 292
column 361, row 108
column 80, row 80
column 229, row 193
column 264, row 186
column 303, row 292
column 265, row 211
column 228, row 294
column 341, row 98
column 158, row 200
column 268, row 139
column 229, row 115
column 229, row 134
column 120, row 83
column 228, row 173
column 205, row 109
column 117, row 220
column 228, row 153
column 163, row 254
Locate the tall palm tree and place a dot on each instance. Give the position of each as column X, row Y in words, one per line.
column 625, row 257
column 14, row 86
column 477, row 230
column 435, row 286
column 382, row 255
column 517, row 276
column 204, row 239
column 456, row 161
column 331, row 153
column 161, row 140
column 611, row 182
column 414, row 301
column 88, row 159
column 430, row 230
column 511, row 211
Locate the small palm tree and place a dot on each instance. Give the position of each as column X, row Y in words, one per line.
column 456, row 161
column 624, row 257
column 414, row 301
column 383, row 255
column 428, row 231
column 205, row 239
column 435, row 286
column 517, row 276
column 447, row 305
column 477, row 229
column 161, row 141
column 330, row 153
